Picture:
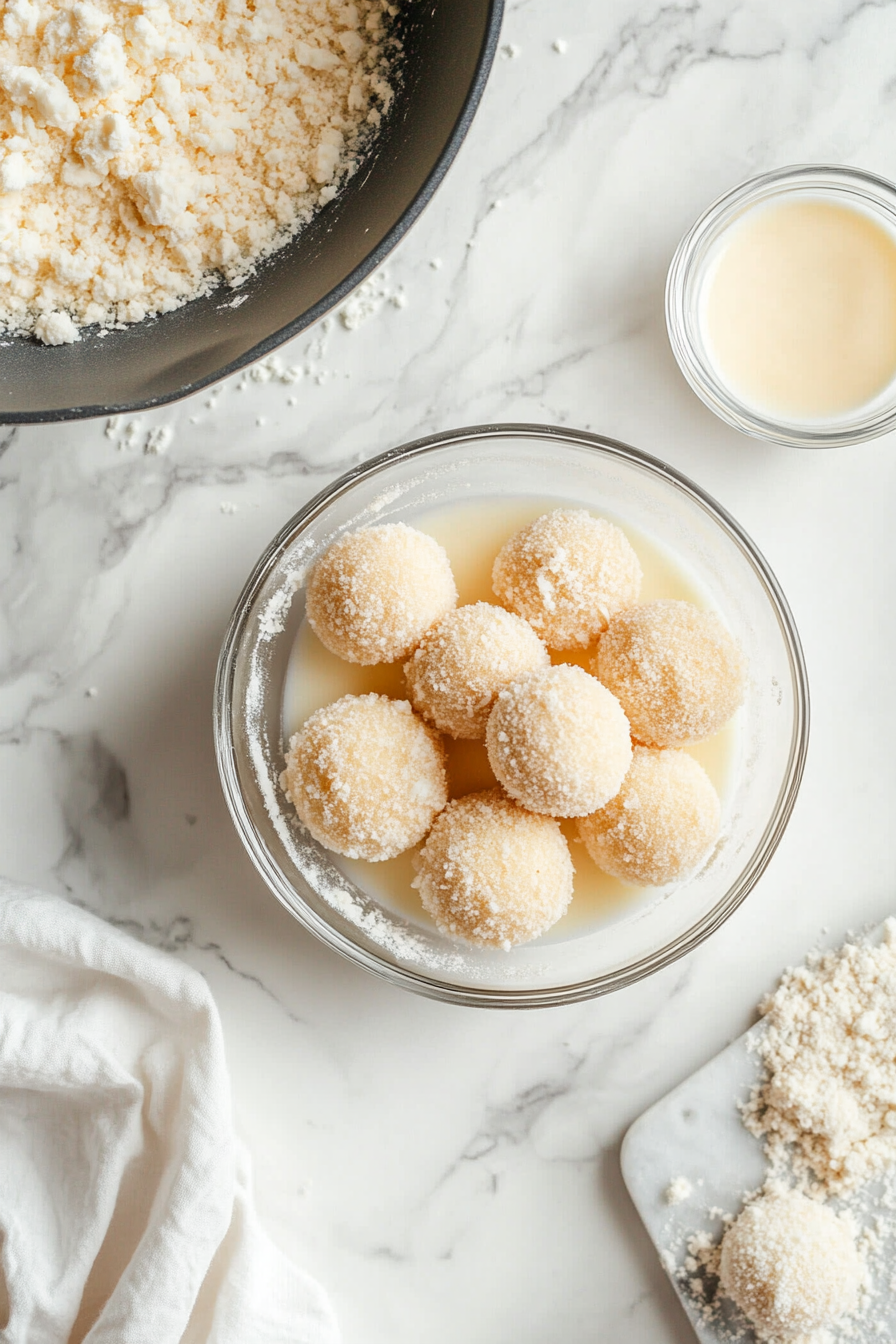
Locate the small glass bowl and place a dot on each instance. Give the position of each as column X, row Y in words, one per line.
column 513, row 462
column 686, row 288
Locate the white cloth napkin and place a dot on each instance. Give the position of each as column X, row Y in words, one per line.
column 125, row 1209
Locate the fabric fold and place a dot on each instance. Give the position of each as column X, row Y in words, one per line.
column 125, row 1201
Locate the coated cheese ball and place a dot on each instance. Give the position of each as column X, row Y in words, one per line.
column 567, row 574
column 366, row 776
column 374, row 594
column 464, row 661
column 559, row 742
column 791, row 1265
column 661, row 822
column 492, row 874
column 679, row 675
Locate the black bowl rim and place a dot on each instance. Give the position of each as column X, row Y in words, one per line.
column 336, row 295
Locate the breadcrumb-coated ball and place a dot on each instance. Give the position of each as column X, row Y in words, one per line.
column 677, row 672
column 374, row 594
column 661, row 822
column 559, row 742
column 464, row 661
column 492, row 873
column 366, row 776
column 791, row 1265
column 567, row 573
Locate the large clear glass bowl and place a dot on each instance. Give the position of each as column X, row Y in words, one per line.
column 514, row 462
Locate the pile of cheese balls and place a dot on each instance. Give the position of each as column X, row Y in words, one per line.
column 367, row 774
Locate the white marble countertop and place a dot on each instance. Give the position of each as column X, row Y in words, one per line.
column 453, row 1174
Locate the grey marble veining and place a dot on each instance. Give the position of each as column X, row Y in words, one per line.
column 453, row 1174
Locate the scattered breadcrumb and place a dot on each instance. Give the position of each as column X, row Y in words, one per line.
column 158, row 440
column 678, row 1190
column 132, row 432
column 369, row 298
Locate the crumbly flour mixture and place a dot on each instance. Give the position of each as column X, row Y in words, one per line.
column 827, row 1105
column 148, row 147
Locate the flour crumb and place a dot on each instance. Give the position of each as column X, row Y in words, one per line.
column 436, row 263
column 112, row 426
column 561, row 45
column 55, row 328
column 131, row 434
column 227, row 507
column 368, row 300
column 678, row 1190
column 265, row 371
column 158, row 440
column 510, row 51
column 91, row 693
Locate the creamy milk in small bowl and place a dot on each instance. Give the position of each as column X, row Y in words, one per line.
column 781, row 306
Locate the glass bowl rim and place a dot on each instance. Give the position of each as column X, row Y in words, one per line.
column 429, row 985
column 699, row 375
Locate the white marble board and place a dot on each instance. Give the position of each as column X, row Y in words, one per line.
column 696, row 1132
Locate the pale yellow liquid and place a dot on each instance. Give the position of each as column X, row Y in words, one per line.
column 472, row 534
column 800, row 312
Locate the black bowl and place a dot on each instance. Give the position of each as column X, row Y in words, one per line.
column 449, row 46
